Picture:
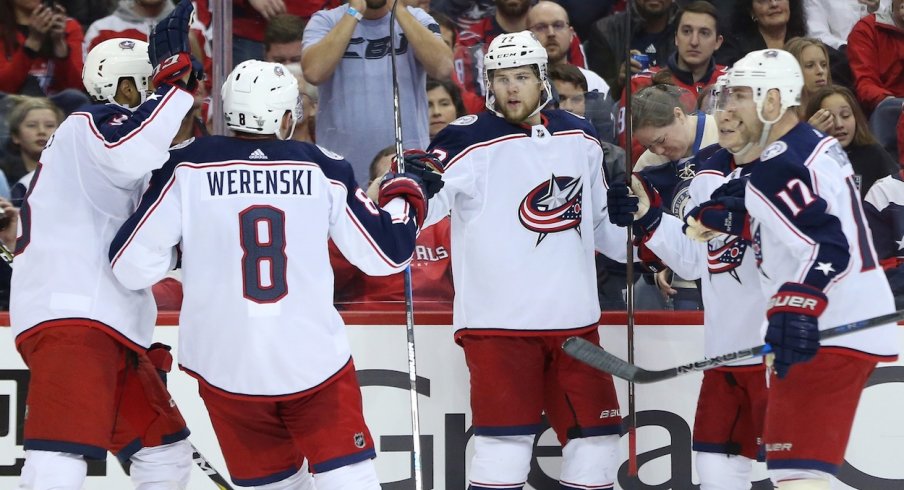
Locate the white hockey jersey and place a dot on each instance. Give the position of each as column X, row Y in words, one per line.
column 808, row 226
column 734, row 305
column 252, row 219
column 88, row 182
column 528, row 208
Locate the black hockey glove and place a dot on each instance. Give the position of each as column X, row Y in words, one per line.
column 793, row 331
column 732, row 188
column 425, row 166
column 640, row 207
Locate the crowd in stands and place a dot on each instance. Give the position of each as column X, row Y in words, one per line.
column 851, row 53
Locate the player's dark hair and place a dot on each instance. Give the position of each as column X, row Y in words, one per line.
column 655, row 106
column 453, row 91
column 700, row 7
column 742, row 23
column 564, row 72
column 283, row 28
column 446, row 22
column 862, row 135
column 389, row 150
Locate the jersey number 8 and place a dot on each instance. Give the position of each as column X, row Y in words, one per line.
column 263, row 234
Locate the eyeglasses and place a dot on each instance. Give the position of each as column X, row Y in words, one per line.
column 557, row 26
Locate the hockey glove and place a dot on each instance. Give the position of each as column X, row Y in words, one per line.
column 427, row 168
column 169, row 37
column 409, row 187
column 640, row 207
column 172, row 70
column 161, row 358
column 793, row 331
column 721, row 215
column 732, row 188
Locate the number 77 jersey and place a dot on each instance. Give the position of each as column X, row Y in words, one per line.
column 252, row 219
column 808, row 226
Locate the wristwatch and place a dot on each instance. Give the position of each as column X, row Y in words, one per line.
column 354, row 13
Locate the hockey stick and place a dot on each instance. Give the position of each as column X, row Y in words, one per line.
column 409, row 294
column 629, row 263
column 208, row 469
column 594, row 355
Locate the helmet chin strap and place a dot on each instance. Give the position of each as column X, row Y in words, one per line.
column 279, row 130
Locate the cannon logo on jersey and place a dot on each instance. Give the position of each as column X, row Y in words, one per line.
column 553, row 206
column 727, row 257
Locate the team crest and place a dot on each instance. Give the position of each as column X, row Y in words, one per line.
column 359, row 440
column 680, row 198
column 333, row 155
column 552, row 206
column 127, row 44
column 465, row 120
column 774, row 150
column 727, row 256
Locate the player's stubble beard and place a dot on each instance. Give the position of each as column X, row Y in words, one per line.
column 519, row 115
column 512, row 8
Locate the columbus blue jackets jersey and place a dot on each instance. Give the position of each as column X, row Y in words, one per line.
column 734, row 305
column 528, row 208
column 88, row 182
column 808, row 226
column 252, row 219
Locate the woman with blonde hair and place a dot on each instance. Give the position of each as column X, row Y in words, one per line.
column 31, row 122
column 813, row 57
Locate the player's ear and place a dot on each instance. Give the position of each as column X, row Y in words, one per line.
column 773, row 104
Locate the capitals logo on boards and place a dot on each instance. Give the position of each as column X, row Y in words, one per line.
column 552, row 206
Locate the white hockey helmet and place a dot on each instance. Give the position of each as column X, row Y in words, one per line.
column 112, row 60
column 512, row 50
column 768, row 69
column 257, row 94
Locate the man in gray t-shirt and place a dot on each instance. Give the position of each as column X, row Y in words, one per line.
column 346, row 53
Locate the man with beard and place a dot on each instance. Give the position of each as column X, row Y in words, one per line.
column 652, row 34
column 511, row 16
column 346, row 53
column 535, row 179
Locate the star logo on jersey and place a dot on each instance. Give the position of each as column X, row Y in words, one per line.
column 899, row 242
column 825, row 267
column 153, row 96
column 727, row 257
column 552, row 206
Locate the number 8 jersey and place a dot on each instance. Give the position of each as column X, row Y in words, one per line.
column 252, row 218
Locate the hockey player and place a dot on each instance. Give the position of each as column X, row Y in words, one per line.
column 533, row 179
column 258, row 327
column 817, row 264
column 83, row 335
column 732, row 402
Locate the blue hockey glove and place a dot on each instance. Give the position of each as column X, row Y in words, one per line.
column 621, row 203
column 169, row 37
column 733, row 188
column 721, row 215
column 793, row 331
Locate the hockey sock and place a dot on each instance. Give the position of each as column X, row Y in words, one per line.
column 50, row 470
column 590, row 462
column 500, row 462
column 360, row 476
column 723, row 471
column 166, row 467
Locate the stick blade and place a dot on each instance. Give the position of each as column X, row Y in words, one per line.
column 596, row 357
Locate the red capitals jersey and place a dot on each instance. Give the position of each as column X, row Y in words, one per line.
column 431, row 277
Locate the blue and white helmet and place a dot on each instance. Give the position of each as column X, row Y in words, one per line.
column 110, row 61
column 512, row 50
column 257, row 94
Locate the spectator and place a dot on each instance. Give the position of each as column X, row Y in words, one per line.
column 672, row 139
column 250, row 17
column 762, row 24
column 41, row 53
column 549, row 22
column 421, row 4
column 651, row 34
column 691, row 67
column 346, row 54
column 814, row 63
column 510, row 16
column 444, row 106
column 449, row 31
column 850, row 128
column 573, row 95
column 584, row 13
column 31, row 123
column 832, row 20
column 876, row 47
column 282, row 44
column 876, row 177
column 431, row 266
column 132, row 19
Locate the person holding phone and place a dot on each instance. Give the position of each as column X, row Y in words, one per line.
column 41, row 52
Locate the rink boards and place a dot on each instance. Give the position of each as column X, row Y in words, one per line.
column 665, row 410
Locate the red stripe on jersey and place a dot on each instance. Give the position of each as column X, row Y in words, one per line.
column 144, row 218
column 364, row 232
column 506, row 332
column 783, row 219
column 471, row 148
